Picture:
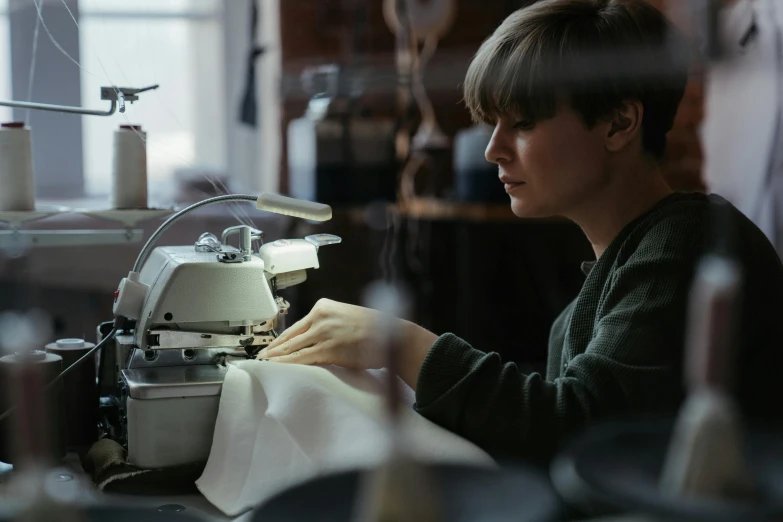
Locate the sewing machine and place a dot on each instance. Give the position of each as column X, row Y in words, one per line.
column 195, row 307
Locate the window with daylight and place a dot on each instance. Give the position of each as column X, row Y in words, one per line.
column 178, row 44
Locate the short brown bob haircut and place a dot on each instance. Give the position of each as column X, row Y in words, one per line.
column 592, row 54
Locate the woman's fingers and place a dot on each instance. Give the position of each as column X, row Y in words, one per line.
column 292, row 345
column 310, row 355
column 298, row 328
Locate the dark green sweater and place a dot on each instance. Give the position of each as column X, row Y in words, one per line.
column 617, row 350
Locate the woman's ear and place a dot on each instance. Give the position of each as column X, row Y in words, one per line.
column 625, row 125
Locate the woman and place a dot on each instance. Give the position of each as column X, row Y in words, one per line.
column 587, row 148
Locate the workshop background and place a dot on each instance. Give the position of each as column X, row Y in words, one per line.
column 236, row 80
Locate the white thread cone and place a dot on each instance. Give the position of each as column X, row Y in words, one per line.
column 17, row 182
column 129, row 173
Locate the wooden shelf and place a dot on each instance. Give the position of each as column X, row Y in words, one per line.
column 436, row 209
column 433, row 209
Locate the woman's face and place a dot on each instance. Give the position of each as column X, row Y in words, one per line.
column 549, row 167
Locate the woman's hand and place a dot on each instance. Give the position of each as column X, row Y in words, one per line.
column 349, row 336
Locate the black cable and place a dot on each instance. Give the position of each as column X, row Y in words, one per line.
column 102, row 363
column 68, row 370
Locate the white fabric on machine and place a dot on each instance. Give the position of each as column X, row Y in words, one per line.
column 281, row 424
column 742, row 134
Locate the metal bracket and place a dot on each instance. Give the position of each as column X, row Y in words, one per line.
column 177, row 339
column 207, row 356
column 246, row 237
column 116, row 95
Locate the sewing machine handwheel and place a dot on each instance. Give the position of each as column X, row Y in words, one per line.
column 616, row 468
column 468, row 495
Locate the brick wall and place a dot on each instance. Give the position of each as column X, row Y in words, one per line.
column 318, row 32
column 683, row 158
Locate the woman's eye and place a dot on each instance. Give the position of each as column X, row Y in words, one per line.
column 524, row 125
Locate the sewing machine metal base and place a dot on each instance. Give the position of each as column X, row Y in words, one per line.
column 170, row 413
column 167, row 399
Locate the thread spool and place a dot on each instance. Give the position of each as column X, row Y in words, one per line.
column 38, row 420
column 17, row 182
column 712, row 320
column 129, row 172
column 80, row 392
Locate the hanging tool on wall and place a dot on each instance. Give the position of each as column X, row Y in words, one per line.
column 248, row 111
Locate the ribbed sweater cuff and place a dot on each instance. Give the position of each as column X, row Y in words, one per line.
column 449, row 360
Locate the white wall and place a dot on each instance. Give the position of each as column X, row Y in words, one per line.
column 254, row 154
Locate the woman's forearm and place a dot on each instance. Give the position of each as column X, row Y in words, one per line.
column 417, row 343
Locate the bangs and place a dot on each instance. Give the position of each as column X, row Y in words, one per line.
column 593, row 55
column 507, row 76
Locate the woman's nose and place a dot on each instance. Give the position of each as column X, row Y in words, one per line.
column 497, row 150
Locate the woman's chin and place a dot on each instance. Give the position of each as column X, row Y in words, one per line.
column 525, row 209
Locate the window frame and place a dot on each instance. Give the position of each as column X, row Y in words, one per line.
column 251, row 154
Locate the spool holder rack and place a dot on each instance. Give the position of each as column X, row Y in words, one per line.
column 15, row 237
column 117, row 96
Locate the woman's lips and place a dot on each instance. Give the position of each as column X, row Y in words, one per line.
column 509, row 186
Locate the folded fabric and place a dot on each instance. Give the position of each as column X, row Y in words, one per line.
column 107, row 464
column 281, row 424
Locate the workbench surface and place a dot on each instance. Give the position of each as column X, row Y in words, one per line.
column 71, row 471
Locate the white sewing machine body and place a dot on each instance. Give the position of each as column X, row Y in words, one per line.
column 196, row 306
